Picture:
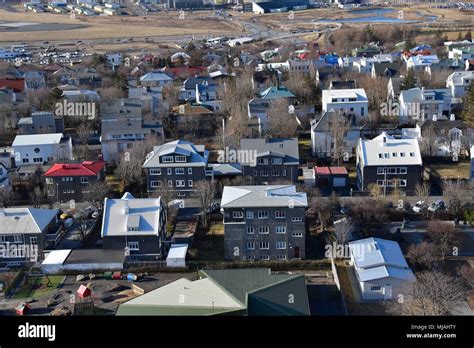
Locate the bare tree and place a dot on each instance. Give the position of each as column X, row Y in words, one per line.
column 338, row 125
column 456, row 196
column 281, row 121
column 205, row 191
column 444, row 237
column 343, row 230
column 6, row 196
column 96, row 195
column 434, row 293
column 422, row 191
column 375, row 191
column 423, row 255
column 36, row 196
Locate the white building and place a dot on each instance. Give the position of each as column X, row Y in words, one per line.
column 459, row 83
column 381, row 270
column 420, row 62
column 41, row 148
column 177, row 255
column 352, row 101
column 421, row 104
column 364, row 65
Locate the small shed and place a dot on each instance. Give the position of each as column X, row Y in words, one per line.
column 177, row 255
column 332, row 177
column 53, row 263
column 22, row 308
column 84, row 292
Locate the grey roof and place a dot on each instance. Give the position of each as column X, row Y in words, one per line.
column 339, row 84
column 199, row 156
column 221, row 169
column 324, row 123
column 191, row 82
column 25, row 220
column 37, row 139
column 156, row 76
column 263, row 196
column 282, row 147
column 442, row 124
column 386, row 68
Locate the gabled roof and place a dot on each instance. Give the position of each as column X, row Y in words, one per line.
column 276, row 93
column 199, row 156
column 281, row 147
column 37, row 139
column 25, row 220
column 155, row 76
column 263, row 196
column 17, row 85
column 86, row 168
column 390, row 151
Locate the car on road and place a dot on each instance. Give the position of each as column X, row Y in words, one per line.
column 418, row 207
column 437, row 206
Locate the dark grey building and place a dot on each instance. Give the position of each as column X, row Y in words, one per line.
column 390, row 163
column 40, row 123
column 176, row 166
column 266, row 161
column 264, row 222
column 135, row 225
column 25, row 233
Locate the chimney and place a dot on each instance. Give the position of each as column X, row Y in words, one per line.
column 125, row 207
column 452, row 117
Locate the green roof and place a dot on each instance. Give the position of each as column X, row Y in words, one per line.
column 276, row 93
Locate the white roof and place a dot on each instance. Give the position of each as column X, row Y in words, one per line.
column 198, row 293
column 56, row 257
column 262, row 196
column 129, row 212
column 392, row 152
column 177, row 251
column 377, row 258
column 37, row 139
column 25, row 220
column 358, row 93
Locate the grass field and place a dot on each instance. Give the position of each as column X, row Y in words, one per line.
column 450, row 171
column 39, row 287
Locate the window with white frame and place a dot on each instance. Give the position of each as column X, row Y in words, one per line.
column 84, row 180
column 17, row 238
column 237, row 214
column 249, row 214
column 380, row 183
column 190, row 171
column 133, row 246
column 250, row 245
column 250, row 230
column 262, row 161
column 167, row 159
column 402, row 183
column 264, row 172
column 179, row 171
column 155, row 183
column 264, row 257
column 297, row 234
column 280, row 229
column 190, row 183
column 380, row 171
column 49, row 181
column 263, row 214
column 280, row 245
column 170, row 183
column 296, row 219
column 277, row 161
column 281, row 257
column 3, row 239
column 180, row 159
column 263, row 230
column 264, row 245
column 280, row 214
column 284, row 172
column 169, row 171
column 375, row 288
column 403, row 170
column 156, row 171
column 180, row 183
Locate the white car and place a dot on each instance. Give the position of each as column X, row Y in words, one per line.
column 418, row 207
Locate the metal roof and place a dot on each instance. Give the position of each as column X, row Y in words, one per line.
column 263, row 196
column 25, row 220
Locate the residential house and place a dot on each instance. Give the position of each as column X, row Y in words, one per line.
column 350, row 101
column 421, row 104
column 34, row 79
column 270, row 160
column 72, row 181
column 135, row 225
column 41, row 148
column 114, row 59
column 264, row 222
column 156, row 79
column 176, row 166
column 41, row 122
column 184, row 72
column 366, row 51
column 191, row 85
column 322, row 145
column 365, row 64
column 421, row 62
column 151, row 98
column 459, row 82
column 385, row 69
column 381, row 271
column 332, row 178
column 7, row 96
column 122, row 125
column 464, row 53
column 80, row 76
column 194, row 119
column 4, row 181
column 389, row 163
column 25, row 233
column 252, row 291
column 16, row 84
column 339, row 84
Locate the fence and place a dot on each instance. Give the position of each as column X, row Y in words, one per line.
column 338, row 283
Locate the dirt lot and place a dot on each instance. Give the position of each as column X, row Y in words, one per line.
column 106, row 294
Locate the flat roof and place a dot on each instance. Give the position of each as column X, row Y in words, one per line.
column 95, row 256
column 56, row 257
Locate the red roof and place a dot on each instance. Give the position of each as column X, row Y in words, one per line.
column 330, row 171
column 84, row 291
column 18, row 85
column 86, row 168
column 185, row 71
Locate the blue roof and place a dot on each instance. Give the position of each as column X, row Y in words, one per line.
column 276, row 93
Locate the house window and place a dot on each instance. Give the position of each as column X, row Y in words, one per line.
column 190, row 183
column 133, row 246
column 280, row 245
column 394, row 154
column 180, row 183
column 297, row 234
column 264, row 173
column 380, row 170
column 249, row 214
column 156, row 183
column 167, row 159
column 281, row 257
column 250, row 230
column 375, row 288
column 255, row 173
column 3, row 239
column 263, row 214
column 84, row 180
column 412, row 154
column 264, row 245
column 402, row 183
column 155, row 171
column 284, row 172
column 180, row 159
column 170, row 183
column 250, row 245
column 264, row 257
column 49, row 181
column 280, row 229
column 38, row 159
column 280, row 214
column 380, row 183
column 169, row 171
column 263, row 230
column 262, row 161
column 402, row 154
column 392, row 170
column 18, row 238
column 238, row 214
column 277, row 161
column 296, row 219
column 190, row 171
column 275, row 173
column 380, row 155
column 179, row 171
column 26, row 160
column 403, row 170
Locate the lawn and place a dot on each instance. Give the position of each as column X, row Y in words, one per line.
column 216, row 228
column 39, row 287
column 449, row 171
column 208, row 245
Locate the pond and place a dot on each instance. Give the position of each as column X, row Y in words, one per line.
column 377, row 15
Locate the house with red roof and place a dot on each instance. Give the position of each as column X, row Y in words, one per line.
column 17, row 85
column 72, row 181
column 331, row 177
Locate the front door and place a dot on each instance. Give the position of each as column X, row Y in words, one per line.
column 296, row 252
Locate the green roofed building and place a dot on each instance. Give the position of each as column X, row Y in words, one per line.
column 225, row 292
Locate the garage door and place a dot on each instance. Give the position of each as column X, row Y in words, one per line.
column 339, row 182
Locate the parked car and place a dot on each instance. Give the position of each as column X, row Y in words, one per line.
column 436, row 206
column 418, row 207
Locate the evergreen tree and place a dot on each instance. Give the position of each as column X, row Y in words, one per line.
column 409, row 80
column 468, row 109
column 468, row 35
